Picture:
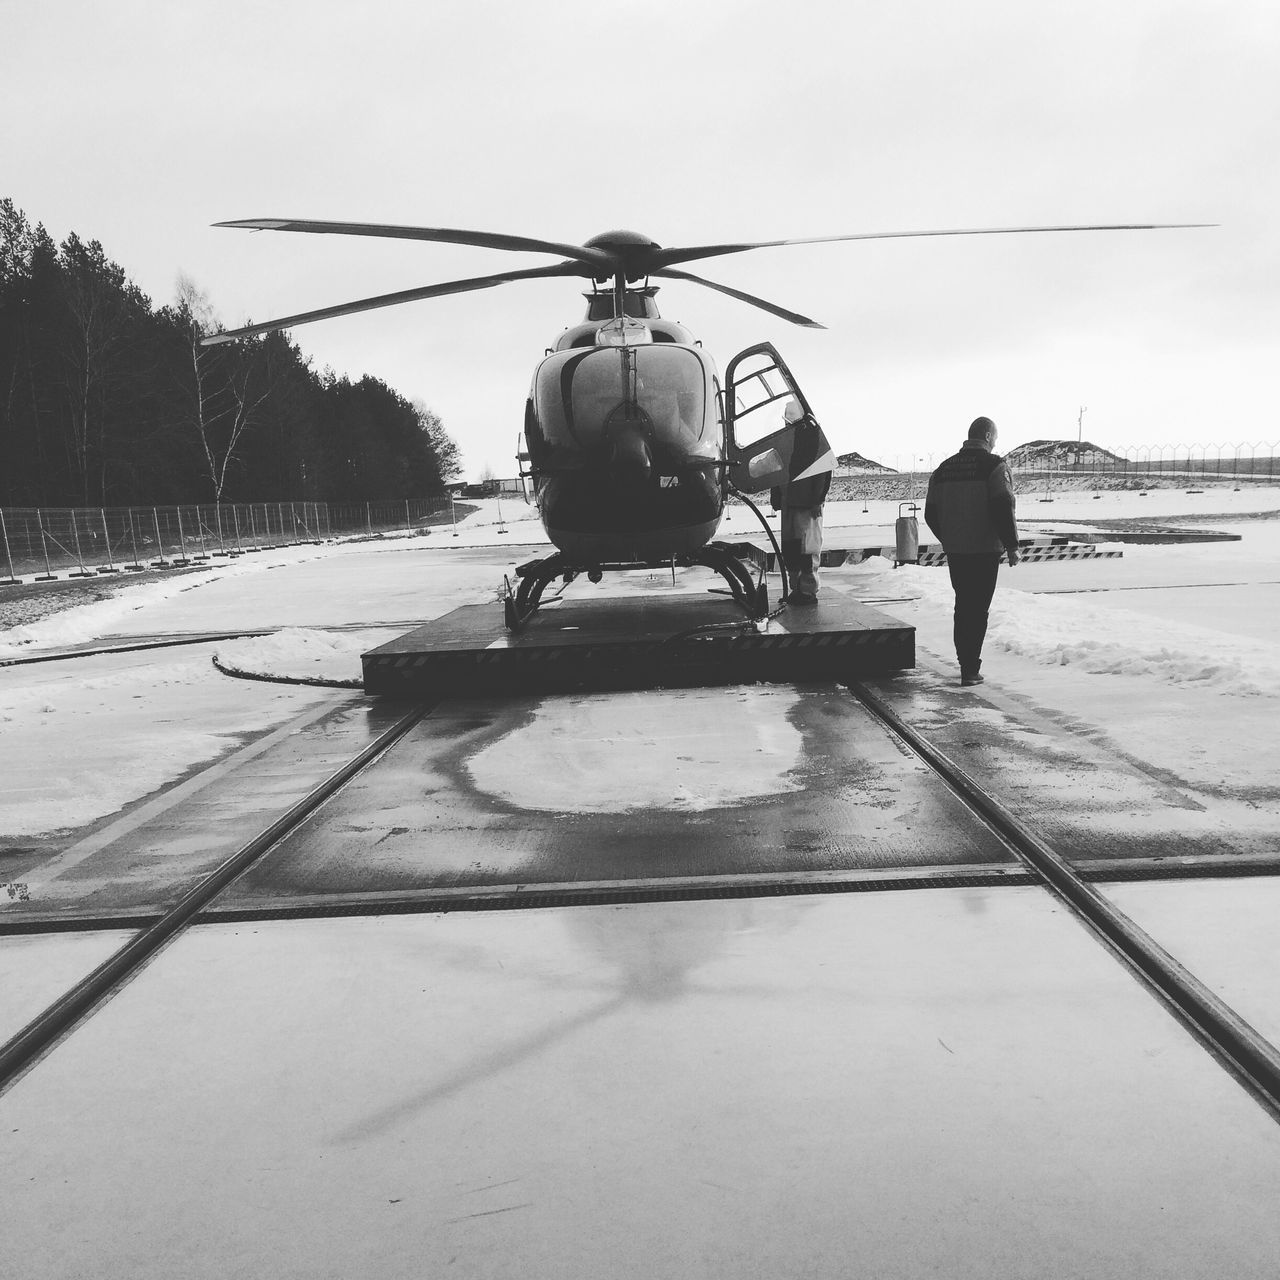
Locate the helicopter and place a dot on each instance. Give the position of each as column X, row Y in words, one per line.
column 631, row 442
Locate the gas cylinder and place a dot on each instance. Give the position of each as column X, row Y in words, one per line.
column 906, row 535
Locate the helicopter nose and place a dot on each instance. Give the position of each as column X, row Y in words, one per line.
column 632, row 459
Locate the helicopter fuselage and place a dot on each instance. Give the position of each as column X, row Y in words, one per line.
column 625, row 437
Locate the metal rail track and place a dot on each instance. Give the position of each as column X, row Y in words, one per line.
column 1250, row 1057
column 22, row 1051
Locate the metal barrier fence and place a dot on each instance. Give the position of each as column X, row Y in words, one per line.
column 44, row 543
column 1256, row 460
column 41, row 544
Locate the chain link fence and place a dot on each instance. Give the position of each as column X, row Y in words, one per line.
column 1084, row 465
column 41, row 544
column 1254, row 461
column 1258, row 460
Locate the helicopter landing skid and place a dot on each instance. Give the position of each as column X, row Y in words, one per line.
column 521, row 602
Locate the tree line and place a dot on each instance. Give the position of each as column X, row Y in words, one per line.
column 106, row 400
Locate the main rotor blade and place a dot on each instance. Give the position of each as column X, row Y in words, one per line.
column 392, row 299
column 793, row 316
column 446, row 235
column 664, row 257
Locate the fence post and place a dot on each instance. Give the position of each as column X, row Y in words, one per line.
column 159, row 562
column 82, row 572
column 135, row 567
column 181, row 559
column 204, row 555
column 106, row 537
column 407, row 526
column 10, row 581
column 235, row 520
column 48, row 575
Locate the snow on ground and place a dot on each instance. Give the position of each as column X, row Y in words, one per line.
column 79, row 740
column 244, row 592
column 1061, row 630
column 1170, row 651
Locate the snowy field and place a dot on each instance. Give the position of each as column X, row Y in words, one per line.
column 1169, row 654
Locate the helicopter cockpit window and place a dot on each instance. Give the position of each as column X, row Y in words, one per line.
column 667, row 384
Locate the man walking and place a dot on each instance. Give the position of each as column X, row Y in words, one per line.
column 970, row 508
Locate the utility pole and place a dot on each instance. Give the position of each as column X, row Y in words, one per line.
column 1080, row 433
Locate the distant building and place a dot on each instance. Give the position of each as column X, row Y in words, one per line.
column 489, row 488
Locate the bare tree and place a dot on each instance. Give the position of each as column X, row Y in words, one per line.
column 230, row 384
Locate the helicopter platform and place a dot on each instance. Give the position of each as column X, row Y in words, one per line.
column 637, row 642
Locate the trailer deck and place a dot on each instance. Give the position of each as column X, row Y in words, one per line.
column 637, row 642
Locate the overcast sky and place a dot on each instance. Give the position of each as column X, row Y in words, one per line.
column 140, row 123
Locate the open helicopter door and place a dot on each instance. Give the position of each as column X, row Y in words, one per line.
column 759, row 459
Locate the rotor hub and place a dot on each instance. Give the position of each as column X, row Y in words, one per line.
column 632, row 252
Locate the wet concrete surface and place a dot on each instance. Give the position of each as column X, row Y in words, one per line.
column 548, row 791
column 795, row 784
column 141, row 863
column 1224, row 931
column 947, row 1083
column 1095, row 805
column 38, row 969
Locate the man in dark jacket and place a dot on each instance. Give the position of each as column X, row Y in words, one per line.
column 970, row 508
column 800, row 502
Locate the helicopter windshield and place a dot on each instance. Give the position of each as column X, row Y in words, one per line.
column 577, row 395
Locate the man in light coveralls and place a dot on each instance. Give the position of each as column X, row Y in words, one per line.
column 970, row 508
column 800, row 501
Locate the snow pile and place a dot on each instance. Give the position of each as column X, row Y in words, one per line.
column 1066, row 631
column 300, row 655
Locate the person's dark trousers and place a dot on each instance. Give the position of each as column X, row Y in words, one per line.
column 974, row 580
